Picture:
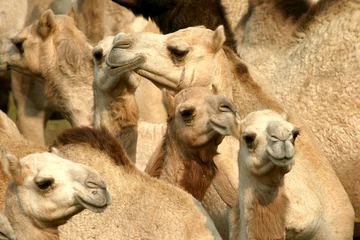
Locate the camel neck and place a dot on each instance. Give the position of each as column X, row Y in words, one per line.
column 70, row 89
column 24, row 227
column 191, row 169
column 262, row 207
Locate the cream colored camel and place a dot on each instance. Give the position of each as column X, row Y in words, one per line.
column 143, row 207
column 197, row 123
column 315, row 72
column 266, row 154
column 46, row 191
column 6, row 231
column 185, row 61
column 268, row 200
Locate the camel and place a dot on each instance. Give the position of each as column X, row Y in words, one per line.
column 6, row 231
column 143, row 207
column 198, row 120
column 171, row 16
column 114, row 109
column 311, row 68
column 46, row 191
column 267, row 153
column 185, row 61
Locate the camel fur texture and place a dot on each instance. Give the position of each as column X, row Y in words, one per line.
column 46, row 191
column 198, row 120
column 142, row 207
column 314, row 71
column 185, row 61
column 6, row 231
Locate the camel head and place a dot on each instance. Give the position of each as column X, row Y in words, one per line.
column 6, row 231
column 267, row 142
column 36, row 49
column 49, row 189
column 190, row 57
column 122, row 82
column 197, row 117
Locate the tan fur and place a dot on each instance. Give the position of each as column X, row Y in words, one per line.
column 201, row 67
column 147, row 202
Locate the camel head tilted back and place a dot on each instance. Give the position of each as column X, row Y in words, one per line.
column 190, row 57
column 49, row 189
column 266, row 142
column 197, row 116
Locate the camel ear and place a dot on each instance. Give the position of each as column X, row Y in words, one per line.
column 219, row 38
column 72, row 14
column 46, row 23
column 169, row 103
column 55, row 151
column 11, row 167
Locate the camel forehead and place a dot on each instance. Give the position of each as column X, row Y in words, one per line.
column 37, row 161
column 258, row 121
column 194, row 94
column 105, row 44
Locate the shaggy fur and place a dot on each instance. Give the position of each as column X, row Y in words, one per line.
column 171, row 16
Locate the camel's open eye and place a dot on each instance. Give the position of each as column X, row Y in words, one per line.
column 187, row 113
column 19, row 44
column 98, row 53
column 295, row 133
column 249, row 139
column 44, row 183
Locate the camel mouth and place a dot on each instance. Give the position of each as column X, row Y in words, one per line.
column 283, row 162
column 118, row 67
column 96, row 203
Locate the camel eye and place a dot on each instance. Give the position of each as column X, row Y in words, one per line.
column 19, row 45
column 178, row 53
column 187, row 113
column 295, row 133
column 249, row 139
column 44, row 183
column 98, row 54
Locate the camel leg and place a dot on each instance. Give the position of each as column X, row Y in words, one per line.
column 30, row 102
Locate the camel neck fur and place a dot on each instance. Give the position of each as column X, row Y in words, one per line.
column 25, row 228
column 69, row 86
column 191, row 169
column 263, row 204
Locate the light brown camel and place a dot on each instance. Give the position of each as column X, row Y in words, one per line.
column 267, row 149
column 143, row 207
column 6, row 231
column 114, row 109
column 46, row 191
column 186, row 61
column 197, row 122
column 315, row 72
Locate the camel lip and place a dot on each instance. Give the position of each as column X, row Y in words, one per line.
column 93, row 206
column 281, row 162
column 124, row 66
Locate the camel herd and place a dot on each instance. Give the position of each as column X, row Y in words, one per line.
column 221, row 119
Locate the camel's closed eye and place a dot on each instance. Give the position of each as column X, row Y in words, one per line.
column 44, row 183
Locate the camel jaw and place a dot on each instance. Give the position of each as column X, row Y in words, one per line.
column 118, row 66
